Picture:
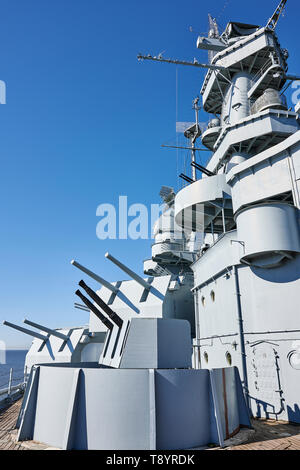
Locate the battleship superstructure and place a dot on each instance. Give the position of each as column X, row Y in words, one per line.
column 238, row 290
column 246, row 205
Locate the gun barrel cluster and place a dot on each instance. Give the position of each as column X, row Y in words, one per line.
column 112, row 315
column 95, row 310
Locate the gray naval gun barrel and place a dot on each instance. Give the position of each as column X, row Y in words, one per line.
column 97, row 278
column 128, row 271
column 95, row 310
column 47, row 330
column 35, row 334
column 112, row 315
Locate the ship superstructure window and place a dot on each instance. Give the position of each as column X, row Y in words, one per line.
column 213, row 295
column 203, row 300
column 205, row 355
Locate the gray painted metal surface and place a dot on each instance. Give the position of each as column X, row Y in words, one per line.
column 154, row 400
column 145, row 409
column 61, row 345
column 247, row 280
column 157, row 344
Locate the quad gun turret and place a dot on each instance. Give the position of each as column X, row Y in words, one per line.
column 121, row 301
column 65, row 345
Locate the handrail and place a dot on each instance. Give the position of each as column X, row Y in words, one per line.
column 12, row 388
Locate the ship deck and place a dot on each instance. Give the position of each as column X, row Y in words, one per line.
column 268, row 435
column 8, row 419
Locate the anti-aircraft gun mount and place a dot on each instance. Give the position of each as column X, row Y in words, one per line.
column 153, row 297
column 59, row 345
column 112, row 307
column 134, row 403
column 80, row 405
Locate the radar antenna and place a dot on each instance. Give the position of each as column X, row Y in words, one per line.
column 272, row 23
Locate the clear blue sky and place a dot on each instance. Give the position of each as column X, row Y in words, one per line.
column 83, row 123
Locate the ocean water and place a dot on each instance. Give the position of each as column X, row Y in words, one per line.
column 15, row 359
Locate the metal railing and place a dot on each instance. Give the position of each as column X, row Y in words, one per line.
column 262, row 70
column 14, row 385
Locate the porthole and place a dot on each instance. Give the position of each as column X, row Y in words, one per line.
column 203, row 300
column 213, row 295
column 294, row 359
column 228, row 358
column 205, row 355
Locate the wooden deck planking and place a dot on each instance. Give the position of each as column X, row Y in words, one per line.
column 8, row 420
column 269, row 435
